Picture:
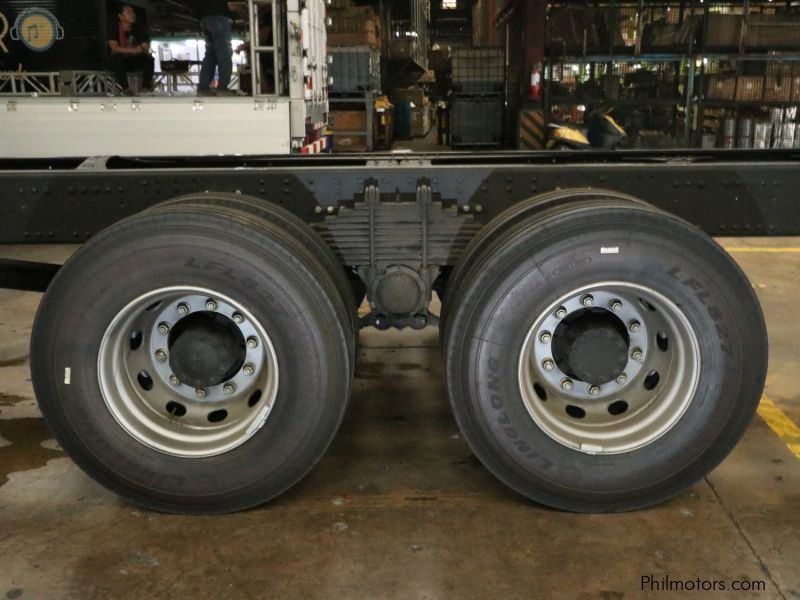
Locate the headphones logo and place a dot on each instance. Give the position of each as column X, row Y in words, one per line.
column 3, row 32
column 37, row 28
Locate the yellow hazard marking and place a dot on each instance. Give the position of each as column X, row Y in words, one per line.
column 787, row 250
column 782, row 425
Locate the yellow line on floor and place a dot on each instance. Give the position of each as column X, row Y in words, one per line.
column 765, row 250
column 782, row 425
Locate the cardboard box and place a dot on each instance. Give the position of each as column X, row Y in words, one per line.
column 413, row 94
column 721, row 87
column 354, row 27
column 778, row 89
column 750, row 89
column 421, row 119
column 349, row 120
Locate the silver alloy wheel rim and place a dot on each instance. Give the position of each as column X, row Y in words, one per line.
column 642, row 402
column 171, row 416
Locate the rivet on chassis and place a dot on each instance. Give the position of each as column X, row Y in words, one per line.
column 211, row 305
column 183, row 309
column 637, row 354
column 616, row 306
column 546, row 337
column 561, row 312
column 594, row 390
column 252, row 343
column 163, row 328
column 548, row 364
column 228, row 388
column 566, row 385
column 238, row 318
column 200, row 393
column 161, row 356
column 249, row 370
column 587, row 301
column 635, row 327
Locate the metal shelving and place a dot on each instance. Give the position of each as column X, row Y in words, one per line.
column 666, row 41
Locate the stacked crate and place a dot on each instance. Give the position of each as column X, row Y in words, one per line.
column 354, row 66
column 414, row 112
column 477, row 104
column 353, row 25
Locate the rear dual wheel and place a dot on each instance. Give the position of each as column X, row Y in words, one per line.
column 602, row 355
column 195, row 358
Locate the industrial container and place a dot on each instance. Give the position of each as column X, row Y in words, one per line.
column 478, row 70
column 354, row 69
column 476, row 120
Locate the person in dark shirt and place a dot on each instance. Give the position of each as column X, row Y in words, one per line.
column 215, row 18
column 129, row 47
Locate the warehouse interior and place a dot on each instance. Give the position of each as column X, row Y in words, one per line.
column 400, row 506
column 499, row 74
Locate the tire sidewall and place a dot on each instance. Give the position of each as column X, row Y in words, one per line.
column 685, row 267
column 308, row 339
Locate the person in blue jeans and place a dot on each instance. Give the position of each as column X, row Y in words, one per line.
column 215, row 18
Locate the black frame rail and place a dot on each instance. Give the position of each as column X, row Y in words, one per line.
column 67, row 200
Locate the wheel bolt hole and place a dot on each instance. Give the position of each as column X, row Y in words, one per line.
column 145, row 381
column 646, row 305
column 662, row 341
column 136, row 340
column 540, row 391
column 576, row 412
column 176, row 409
column 651, row 381
column 217, row 416
column 254, row 398
column 617, row 408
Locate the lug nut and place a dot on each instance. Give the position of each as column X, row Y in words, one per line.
column 228, row 388
column 238, row 318
column 594, row 390
column 161, row 356
column 635, row 327
column 548, row 365
column 566, row 385
column 163, row 328
column 173, row 380
column 252, row 343
column 183, row 309
column 200, row 393
column 616, row 306
column 587, row 301
column 637, row 354
column 546, row 337
column 561, row 312
column 249, row 370
column 622, row 379
column 211, row 305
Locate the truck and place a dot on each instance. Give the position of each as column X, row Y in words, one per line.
column 601, row 351
column 58, row 99
column 195, row 355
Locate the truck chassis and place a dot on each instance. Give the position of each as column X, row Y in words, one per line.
column 196, row 354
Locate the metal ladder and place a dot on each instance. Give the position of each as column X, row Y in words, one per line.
column 257, row 9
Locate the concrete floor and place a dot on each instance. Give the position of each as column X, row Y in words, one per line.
column 399, row 508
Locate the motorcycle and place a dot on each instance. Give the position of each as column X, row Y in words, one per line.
column 600, row 131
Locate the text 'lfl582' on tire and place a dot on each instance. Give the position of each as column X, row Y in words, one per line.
column 605, row 357
column 193, row 360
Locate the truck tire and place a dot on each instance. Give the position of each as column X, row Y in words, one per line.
column 193, row 360
column 292, row 225
column 509, row 218
column 604, row 356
